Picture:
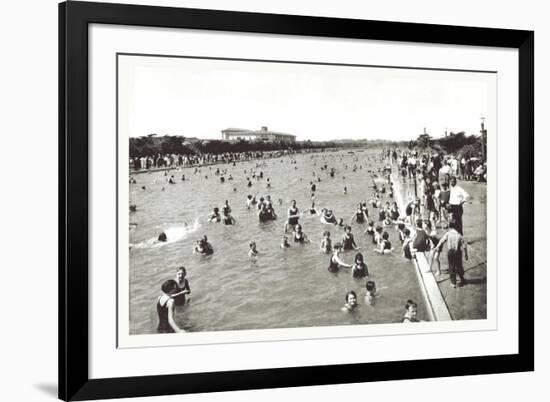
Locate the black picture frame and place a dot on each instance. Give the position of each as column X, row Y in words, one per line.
column 74, row 18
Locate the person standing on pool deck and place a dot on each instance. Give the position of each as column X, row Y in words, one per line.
column 457, row 197
column 165, row 308
column 455, row 241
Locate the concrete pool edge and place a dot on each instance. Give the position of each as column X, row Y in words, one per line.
column 433, row 298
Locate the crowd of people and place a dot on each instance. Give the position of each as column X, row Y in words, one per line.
column 173, row 161
column 437, row 205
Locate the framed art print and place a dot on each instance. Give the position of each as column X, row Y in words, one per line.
column 259, row 200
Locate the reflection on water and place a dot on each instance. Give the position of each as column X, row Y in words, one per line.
column 281, row 288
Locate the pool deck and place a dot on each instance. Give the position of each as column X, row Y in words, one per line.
column 466, row 302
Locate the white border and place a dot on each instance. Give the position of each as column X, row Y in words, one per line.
column 107, row 361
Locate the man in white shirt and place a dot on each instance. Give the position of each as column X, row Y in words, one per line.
column 457, row 197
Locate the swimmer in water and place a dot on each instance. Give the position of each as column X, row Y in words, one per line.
column 359, row 269
column 311, row 211
column 327, row 217
column 326, row 243
column 228, row 219
column 348, row 241
column 360, row 215
column 183, row 287
column 335, row 262
column 293, row 216
column 384, row 247
column 165, row 308
column 284, row 242
column 371, row 293
column 226, row 207
column 252, row 251
column 370, row 231
column 299, row 236
column 203, row 247
column 162, row 237
column 351, row 302
column 215, row 215
column 411, row 309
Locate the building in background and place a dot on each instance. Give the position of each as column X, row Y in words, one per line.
column 236, row 134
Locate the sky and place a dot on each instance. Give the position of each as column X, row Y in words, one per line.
column 201, row 97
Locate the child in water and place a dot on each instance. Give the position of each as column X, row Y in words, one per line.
column 326, row 243
column 252, row 252
column 359, row 268
column 410, row 312
column 165, row 308
column 371, row 293
column 284, row 242
column 385, row 245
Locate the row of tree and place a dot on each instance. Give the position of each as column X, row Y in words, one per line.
column 465, row 145
column 153, row 145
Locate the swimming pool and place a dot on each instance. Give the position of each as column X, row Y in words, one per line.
column 281, row 288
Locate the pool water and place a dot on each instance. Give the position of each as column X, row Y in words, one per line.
column 281, row 288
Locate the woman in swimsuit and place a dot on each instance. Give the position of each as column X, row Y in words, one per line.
column 228, row 219
column 359, row 269
column 299, row 236
column 394, row 212
column 360, row 215
column 165, row 308
column 335, row 262
column 348, row 241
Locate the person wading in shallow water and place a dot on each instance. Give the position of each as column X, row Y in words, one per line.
column 165, row 308
column 351, row 302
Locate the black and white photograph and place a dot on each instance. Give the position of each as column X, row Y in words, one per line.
column 271, row 194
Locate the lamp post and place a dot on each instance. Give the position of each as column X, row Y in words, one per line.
column 483, row 132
